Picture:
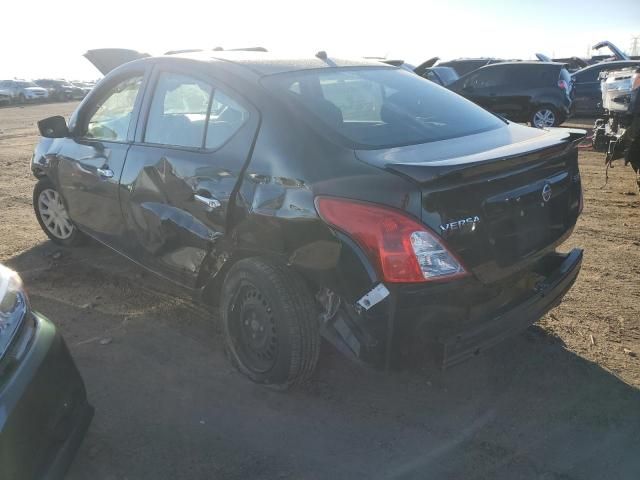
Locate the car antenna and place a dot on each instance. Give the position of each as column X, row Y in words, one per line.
column 322, row 55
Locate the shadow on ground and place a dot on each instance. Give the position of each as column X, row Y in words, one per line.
column 169, row 406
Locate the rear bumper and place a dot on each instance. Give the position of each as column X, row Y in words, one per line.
column 547, row 294
column 44, row 411
column 451, row 322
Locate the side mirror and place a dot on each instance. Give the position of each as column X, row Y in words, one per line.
column 54, row 127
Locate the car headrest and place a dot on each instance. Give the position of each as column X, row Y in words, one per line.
column 328, row 112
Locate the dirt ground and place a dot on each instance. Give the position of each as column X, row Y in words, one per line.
column 560, row 401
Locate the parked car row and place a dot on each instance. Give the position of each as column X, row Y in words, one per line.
column 544, row 92
column 45, row 89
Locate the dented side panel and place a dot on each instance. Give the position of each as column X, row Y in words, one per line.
column 167, row 228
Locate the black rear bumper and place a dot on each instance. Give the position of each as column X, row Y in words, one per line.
column 44, row 411
column 547, row 294
column 451, row 322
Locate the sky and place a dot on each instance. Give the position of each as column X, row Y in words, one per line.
column 50, row 43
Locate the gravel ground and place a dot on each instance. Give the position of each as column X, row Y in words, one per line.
column 560, row 401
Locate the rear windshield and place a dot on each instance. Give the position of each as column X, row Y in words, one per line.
column 380, row 108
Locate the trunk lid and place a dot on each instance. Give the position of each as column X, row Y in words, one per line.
column 107, row 59
column 500, row 199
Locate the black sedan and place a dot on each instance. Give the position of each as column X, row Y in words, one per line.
column 43, row 405
column 317, row 196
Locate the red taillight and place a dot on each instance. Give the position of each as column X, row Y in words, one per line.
column 563, row 84
column 401, row 248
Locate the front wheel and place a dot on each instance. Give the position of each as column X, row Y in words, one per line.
column 270, row 323
column 52, row 215
column 545, row 117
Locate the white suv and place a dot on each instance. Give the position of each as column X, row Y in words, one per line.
column 22, row 91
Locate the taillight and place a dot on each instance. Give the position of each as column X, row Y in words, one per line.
column 563, row 84
column 401, row 248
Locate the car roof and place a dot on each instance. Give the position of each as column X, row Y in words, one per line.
column 614, row 64
column 266, row 63
column 526, row 62
column 473, row 59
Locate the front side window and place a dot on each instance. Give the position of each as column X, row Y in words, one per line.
column 113, row 114
column 380, row 107
column 186, row 112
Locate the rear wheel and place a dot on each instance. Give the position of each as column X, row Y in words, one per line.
column 270, row 323
column 52, row 215
column 544, row 117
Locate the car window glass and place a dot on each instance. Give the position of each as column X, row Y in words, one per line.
column 178, row 112
column 380, row 108
column 431, row 75
column 225, row 119
column 590, row 75
column 358, row 98
column 486, row 78
column 536, row 75
column 113, row 115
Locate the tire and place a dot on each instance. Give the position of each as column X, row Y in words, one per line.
column 66, row 234
column 545, row 116
column 21, row 99
column 270, row 323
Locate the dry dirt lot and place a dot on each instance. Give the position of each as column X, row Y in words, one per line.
column 560, row 401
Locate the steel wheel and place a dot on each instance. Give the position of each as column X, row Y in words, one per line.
column 544, row 118
column 253, row 329
column 54, row 215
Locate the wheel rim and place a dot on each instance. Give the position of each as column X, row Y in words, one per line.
column 53, row 214
column 544, row 118
column 253, row 330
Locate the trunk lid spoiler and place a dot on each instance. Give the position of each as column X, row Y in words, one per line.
column 480, row 154
column 501, row 199
column 107, row 59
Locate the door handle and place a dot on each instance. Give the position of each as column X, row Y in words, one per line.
column 105, row 172
column 209, row 203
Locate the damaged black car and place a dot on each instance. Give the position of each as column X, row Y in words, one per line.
column 318, row 197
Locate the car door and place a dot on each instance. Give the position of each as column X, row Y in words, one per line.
column 89, row 164
column 587, row 93
column 178, row 184
column 512, row 97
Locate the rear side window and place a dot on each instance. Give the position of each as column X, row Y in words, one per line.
column 225, row 119
column 379, row 108
column 186, row 112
